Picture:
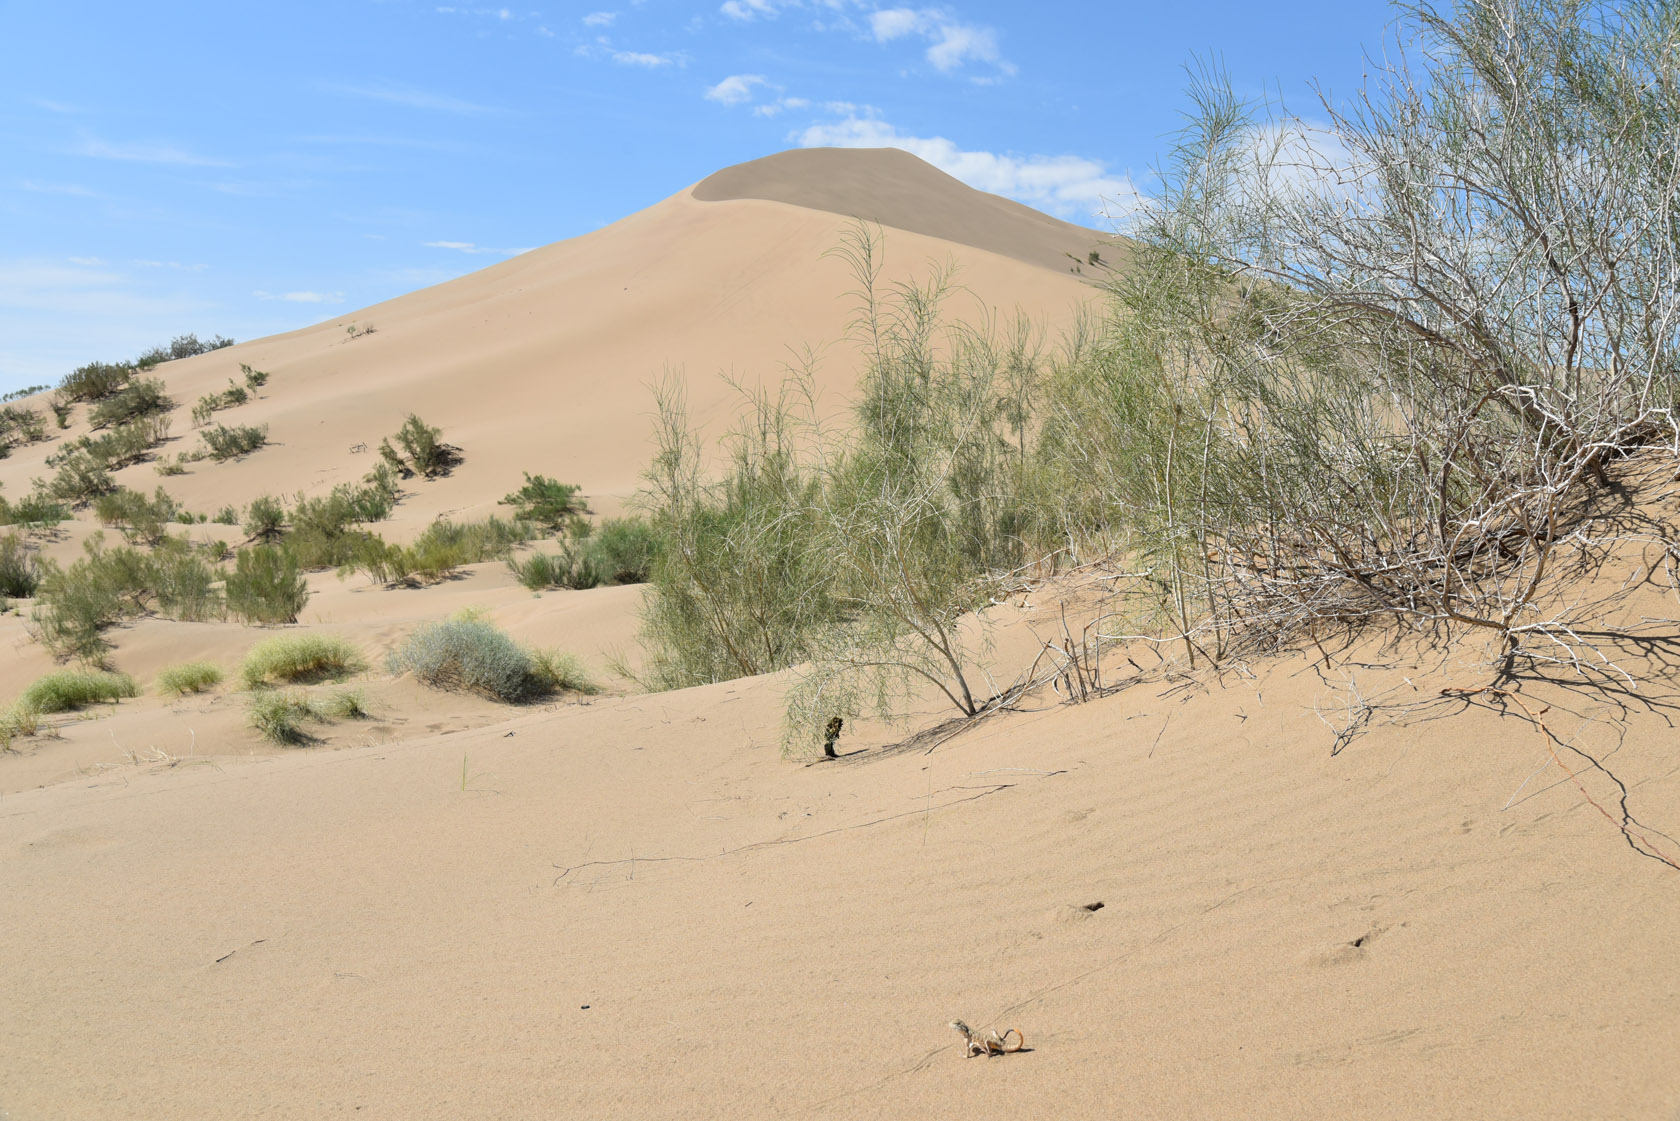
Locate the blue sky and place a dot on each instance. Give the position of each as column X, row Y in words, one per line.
column 244, row 168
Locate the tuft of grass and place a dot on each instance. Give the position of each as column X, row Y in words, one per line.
column 18, row 720
column 68, row 690
column 300, row 658
column 280, row 717
column 345, row 704
column 189, row 677
column 561, row 672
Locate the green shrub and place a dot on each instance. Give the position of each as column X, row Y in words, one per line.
column 265, row 518
column 423, row 450
column 473, row 655
column 231, row 397
column 189, row 677
column 559, row 672
column 18, row 720
column 61, row 412
column 623, row 550
column 143, row 398
column 81, row 477
column 230, row 443
column 20, row 572
column 254, row 379
column 21, row 426
column 95, row 381
column 301, row 658
column 573, row 567
column 68, row 690
column 26, row 391
column 75, row 605
column 34, row 511
column 279, row 716
column 181, row 346
column 550, row 504
column 227, row 515
column 140, row 518
column 265, row 586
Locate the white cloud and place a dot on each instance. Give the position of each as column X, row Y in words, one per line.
column 1067, row 185
column 748, row 9
column 642, row 58
column 891, row 23
column 599, row 19
column 176, row 265
column 469, row 247
column 735, row 89
column 412, row 98
column 950, row 42
column 57, row 189
column 143, row 152
column 86, row 262
column 301, row 297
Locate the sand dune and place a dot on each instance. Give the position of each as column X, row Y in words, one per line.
column 1192, row 896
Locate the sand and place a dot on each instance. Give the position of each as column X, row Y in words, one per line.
column 633, row 906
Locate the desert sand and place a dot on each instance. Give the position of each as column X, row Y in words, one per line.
column 1194, row 896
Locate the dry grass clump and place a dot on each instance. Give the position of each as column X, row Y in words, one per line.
column 16, row 721
column 474, row 656
column 189, row 677
column 298, row 658
column 68, row 690
column 279, row 717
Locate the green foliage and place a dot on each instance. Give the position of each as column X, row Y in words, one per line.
column 265, row 586
column 141, row 519
column 61, row 412
column 550, row 504
column 279, row 716
column 26, row 391
column 17, row 720
column 437, row 553
column 230, row 443
column 344, row 704
column 423, row 450
column 189, row 677
column 81, row 477
column 231, row 397
column 227, row 515
column 95, row 381
column 181, row 346
column 298, row 658
column 139, row 399
column 76, row 605
column 20, row 572
column 20, row 426
column 624, row 550
column 68, row 690
column 265, row 518
column 254, row 379
column 35, row 511
column 556, row 671
column 473, row 655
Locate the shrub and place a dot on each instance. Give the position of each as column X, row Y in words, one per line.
column 623, row 550
column 230, row 443
column 76, row 605
column 143, row 398
column 254, row 379
column 423, row 450
column 473, row 655
column 265, row 586
column 61, row 412
column 95, row 381
column 189, row 677
column 181, row 346
column 18, row 720
column 35, row 511
column 301, row 658
column 559, row 671
column 573, row 567
column 234, row 395
column 265, row 518
column 68, row 690
column 550, row 504
column 26, row 391
column 344, row 704
column 21, row 426
column 140, row 518
column 81, row 478
column 20, row 572
column 227, row 515
column 279, row 716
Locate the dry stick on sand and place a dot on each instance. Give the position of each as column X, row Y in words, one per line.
column 1630, row 833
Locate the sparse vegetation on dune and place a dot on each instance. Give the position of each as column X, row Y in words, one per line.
column 279, row 716
column 299, row 658
column 189, row 677
column 474, row 656
column 20, row 570
column 75, row 606
column 546, row 502
column 226, row 443
column 422, row 450
column 68, row 690
column 265, row 586
column 141, row 519
column 620, row 551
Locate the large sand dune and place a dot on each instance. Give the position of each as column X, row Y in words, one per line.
column 634, row 907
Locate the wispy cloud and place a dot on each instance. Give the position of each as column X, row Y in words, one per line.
column 599, row 19
column 175, row 265
column 469, row 247
column 951, row 43
column 603, row 47
column 143, row 152
column 301, row 297
column 1071, row 186
column 735, row 89
column 412, row 98
column 51, row 106
column 57, row 189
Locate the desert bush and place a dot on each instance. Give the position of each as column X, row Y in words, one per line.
column 436, row 554
column 623, row 550
column 265, row 518
column 141, row 398
column 81, row 477
column 423, row 450
column 211, row 403
column 265, row 586
column 140, row 518
column 181, row 346
column 280, row 716
column 301, row 658
column 189, row 677
column 556, row 671
column 21, row 426
column 473, row 655
column 227, row 515
column 254, row 379
column 76, row 605
column 546, row 502
column 230, row 443
column 343, row 704
column 33, row 511
column 26, row 391
column 68, row 690
column 20, row 572
column 95, row 381
column 17, row 720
